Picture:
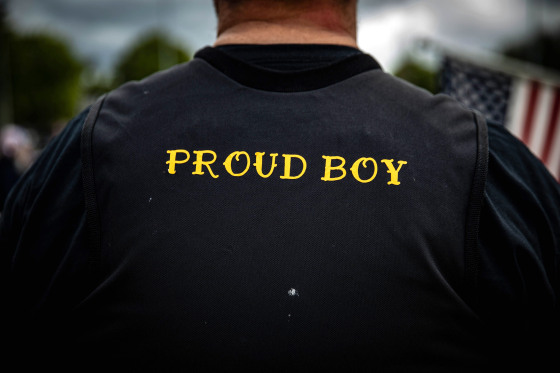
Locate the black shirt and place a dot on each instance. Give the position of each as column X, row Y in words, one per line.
column 519, row 238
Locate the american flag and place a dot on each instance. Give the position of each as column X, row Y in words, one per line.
column 528, row 107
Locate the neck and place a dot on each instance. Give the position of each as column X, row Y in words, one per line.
column 312, row 26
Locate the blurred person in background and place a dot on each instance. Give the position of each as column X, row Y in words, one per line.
column 16, row 156
column 281, row 204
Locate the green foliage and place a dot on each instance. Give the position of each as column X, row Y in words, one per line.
column 45, row 80
column 5, row 35
column 96, row 87
column 42, row 82
column 151, row 53
column 418, row 75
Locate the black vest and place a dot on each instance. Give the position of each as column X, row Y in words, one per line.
column 246, row 218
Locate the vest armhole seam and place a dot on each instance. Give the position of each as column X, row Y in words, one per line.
column 90, row 197
column 476, row 198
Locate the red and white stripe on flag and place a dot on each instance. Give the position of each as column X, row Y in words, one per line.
column 534, row 117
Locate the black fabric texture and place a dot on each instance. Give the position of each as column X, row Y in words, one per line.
column 45, row 257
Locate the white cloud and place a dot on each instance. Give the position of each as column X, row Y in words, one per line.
column 389, row 31
column 481, row 23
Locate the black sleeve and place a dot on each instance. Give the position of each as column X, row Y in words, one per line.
column 42, row 239
column 519, row 245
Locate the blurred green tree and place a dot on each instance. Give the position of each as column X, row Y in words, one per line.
column 152, row 52
column 44, row 80
column 5, row 90
column 417, row 74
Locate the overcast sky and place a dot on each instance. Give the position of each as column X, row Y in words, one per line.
column 100, row 29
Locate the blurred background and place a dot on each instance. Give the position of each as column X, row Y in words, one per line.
column 58, row 56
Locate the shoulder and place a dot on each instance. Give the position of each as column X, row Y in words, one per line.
column 522, row 197
column 513, row 169
column 404, row 100
column 521, row 194
column 519, row 247
column 62, row 148
column 519, row 237
column 48, row 194
column 60, row 152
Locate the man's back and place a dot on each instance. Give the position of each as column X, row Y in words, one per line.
column 238, row 216
column 349, row 248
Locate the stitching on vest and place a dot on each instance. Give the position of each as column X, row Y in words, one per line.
column 475, row 207
column 88, row 178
